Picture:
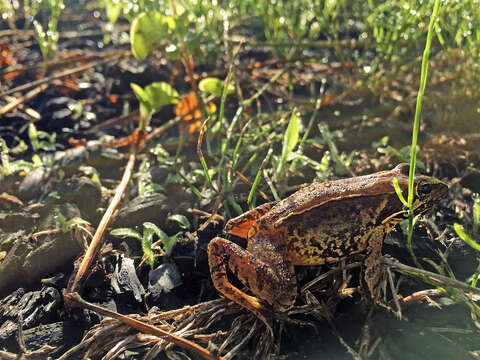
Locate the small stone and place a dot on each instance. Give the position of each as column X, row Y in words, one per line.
column 32, row 184
column 125, row 279
column 163, row 279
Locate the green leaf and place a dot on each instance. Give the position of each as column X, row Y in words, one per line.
column 63, row 221
column 167, row 241
column 33, row 135
column 214, row 86
column 37, row 162
column 140, row 93
column 113, row 9
column 148, row 31
column 159, row 232
column 396, row 186
column 182, row 20
column 181, row 220
column 161, row 94
column 125, row 233
column 465, row 237
column 6, row 169
column 152, row 98
column 147, row 244
column 290, row 139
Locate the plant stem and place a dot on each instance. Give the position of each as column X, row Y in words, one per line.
column 416, row 126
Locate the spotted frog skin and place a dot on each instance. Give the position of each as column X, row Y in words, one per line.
column 321, row 223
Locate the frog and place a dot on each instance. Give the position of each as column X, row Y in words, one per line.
column 322, row 223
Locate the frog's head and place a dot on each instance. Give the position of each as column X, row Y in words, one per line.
column 427, row 191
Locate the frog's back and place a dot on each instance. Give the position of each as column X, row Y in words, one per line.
column 319, row 194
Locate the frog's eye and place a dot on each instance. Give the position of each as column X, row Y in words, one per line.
column 424, row 189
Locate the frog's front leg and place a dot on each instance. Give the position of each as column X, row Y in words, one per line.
column 272, row 284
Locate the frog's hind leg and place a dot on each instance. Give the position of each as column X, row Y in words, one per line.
column 273, row 284
column 240, row 225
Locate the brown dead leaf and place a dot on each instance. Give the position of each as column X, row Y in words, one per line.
column 188, row 108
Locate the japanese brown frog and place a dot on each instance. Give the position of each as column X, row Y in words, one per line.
column 321, row 223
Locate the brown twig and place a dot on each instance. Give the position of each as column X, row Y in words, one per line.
column 94, row 247
column 114, row 121
column 420, row 296
column 398, row 313
column 62, row 35
column 324, row 44
column 161, row 129
column 66, row 59
column 435, row 279
column 61, row 75
column 145, row 328
column 28, row 96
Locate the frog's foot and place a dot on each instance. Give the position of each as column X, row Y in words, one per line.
column 262, row 279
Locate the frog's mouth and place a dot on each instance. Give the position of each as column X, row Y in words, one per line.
column 395, row 218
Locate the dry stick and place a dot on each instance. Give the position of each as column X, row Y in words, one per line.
column 349, row 43
column 96, row 242
column 5, row 355
column 436, row 279
column 28, row 96
column 161, row 129
column 62, row 35
column 394, row 294
column 113, row 121
column 59, row 75
column 145, row 328
column 67, row 59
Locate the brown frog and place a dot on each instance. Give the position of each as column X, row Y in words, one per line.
column 320, row 223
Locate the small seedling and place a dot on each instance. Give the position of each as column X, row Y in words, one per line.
column 41, row 140
column 74, row 223
column 153, row 98
column 149, row 229
column 290, row 140
column 47, row 39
